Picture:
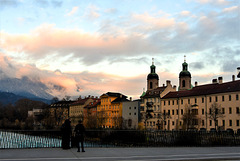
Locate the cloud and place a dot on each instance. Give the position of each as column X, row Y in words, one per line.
column 214, row 2
column 73, row 11
column 9, row 3
column 92, row 12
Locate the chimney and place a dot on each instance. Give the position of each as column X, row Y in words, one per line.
column 233, row 77
column 130, row 98
column 220, row 80
column 174, row 87
column 168, row 82
column 163, row 85
column 196, row 84
column 214, row 81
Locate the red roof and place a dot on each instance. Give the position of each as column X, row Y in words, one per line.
column 207, row 89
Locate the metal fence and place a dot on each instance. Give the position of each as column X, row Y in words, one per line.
column 118, row 138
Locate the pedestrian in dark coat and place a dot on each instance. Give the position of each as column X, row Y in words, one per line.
column 66, row 134
column 80, row 131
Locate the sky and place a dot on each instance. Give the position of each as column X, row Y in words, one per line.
column 90, row 47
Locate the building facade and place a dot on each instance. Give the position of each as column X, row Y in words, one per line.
column 192, row 107
column 131, row 114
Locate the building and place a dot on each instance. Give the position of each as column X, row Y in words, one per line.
column 191, row 107
column 59, row 112
column 90, row 114
column 131, row 114
column 201, row 99
column 151, row 100
column 109, row 112
column 76, row 109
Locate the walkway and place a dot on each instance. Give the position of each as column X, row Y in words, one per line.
column 122, row 154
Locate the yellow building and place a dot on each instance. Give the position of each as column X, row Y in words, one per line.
column 109, row 112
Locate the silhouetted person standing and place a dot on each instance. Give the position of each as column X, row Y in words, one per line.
column 80, row 130
column 66, row 134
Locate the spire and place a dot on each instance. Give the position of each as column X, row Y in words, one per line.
column 152, row 61
column 184, row 58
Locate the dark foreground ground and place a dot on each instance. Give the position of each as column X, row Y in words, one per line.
column 122, row 154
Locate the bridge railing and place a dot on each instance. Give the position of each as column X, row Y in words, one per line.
column 117, row 138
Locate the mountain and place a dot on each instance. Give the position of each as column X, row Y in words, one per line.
column 25, row 87
column 11, row 98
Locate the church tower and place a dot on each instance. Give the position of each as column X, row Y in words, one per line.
column 184, row 77
column 152, row 78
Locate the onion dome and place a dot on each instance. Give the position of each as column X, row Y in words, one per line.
column 152, row 74
column 184, row 72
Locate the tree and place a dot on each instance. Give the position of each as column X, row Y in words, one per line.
column 215, row 112
column 189, row 117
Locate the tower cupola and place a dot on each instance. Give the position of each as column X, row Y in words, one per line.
column 152, row 78
column 184, row 77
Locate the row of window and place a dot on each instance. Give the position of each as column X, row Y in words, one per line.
column 203, row 99
column 195, row 122
column 195, row 111
column 108, row 107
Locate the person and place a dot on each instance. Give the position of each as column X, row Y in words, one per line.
column 66, row 134
column 79, row 134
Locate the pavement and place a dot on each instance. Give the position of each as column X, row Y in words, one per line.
column 122, row 154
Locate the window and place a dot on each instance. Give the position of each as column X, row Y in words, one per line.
column 230, row 110
column 135, row 113
column 169, row 112
column 210, row 99
column 173, row 123
column 223, row 110
column 183, row 83
column 237, row 110
column 223, row 122
column 164, row 103
column 188, row 101
column 230, row 97
column 210, row 122
column 168, row 102
column 216, row 99
column 129, row 108
column 223, row 98
column 173, row 102
column 181, row 101
column 237, row 122
column 177, row 112
column 181, row 111
column 172, row 112
column 151, row 86
column 237, row 97
column 202, row 111
column 202, row 122
column 135, row 108
column 230, row 122
column 195, row 100
column 129, row 113
column 177, row 102
column 202, row 100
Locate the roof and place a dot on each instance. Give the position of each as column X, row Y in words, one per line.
column 120, row 99
column 62, row 104
column 113, row 94
column 95, row 103
column 155, row 92
column 207, row 89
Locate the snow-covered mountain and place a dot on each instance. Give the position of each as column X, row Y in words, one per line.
column 25, row 87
